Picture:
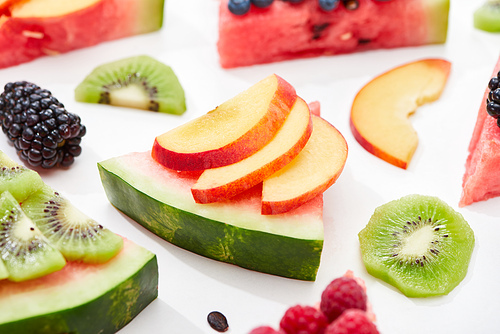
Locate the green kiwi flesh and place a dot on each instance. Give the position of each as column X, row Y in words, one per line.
column 418, row 244
column 3, row 271
column 18, row 180
column 78, row 237
column 24, row 250
column 487, row 17
column 138, row 82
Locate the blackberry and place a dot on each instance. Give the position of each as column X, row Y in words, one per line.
column 42, row 131
column 493, row 99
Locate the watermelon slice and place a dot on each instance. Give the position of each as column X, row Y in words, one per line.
column 82, row 298
column 481, row 180
column 235, row 231
column 285, row 30
column 35, row 28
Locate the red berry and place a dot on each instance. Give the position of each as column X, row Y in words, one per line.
column 303, row 320
column 341, row 294
column 352, row 321
column 264, row 330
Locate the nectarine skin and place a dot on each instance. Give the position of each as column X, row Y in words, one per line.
column 244, row 146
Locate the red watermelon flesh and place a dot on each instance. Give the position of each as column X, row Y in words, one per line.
column 24, row 38
column 286, row 31
column 481, row 180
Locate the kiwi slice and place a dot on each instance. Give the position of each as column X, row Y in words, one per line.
column 138, row 82
column 418, row 244
column 78, row 237
column 3, row 271
column 487, row 17
column 18, row 180
column 25, row 251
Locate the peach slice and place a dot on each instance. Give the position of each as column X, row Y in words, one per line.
column 381, row 109
column 313, row 171
column 222, row 183
column 233, row 131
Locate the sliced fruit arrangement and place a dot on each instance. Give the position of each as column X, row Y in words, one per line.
column 222, row 183
column 481, row 179
column 138, row 82
column 487, row 16
column 65, row 266
column 285, row 239
column 248, row 122
column 343, row 309
column 282, row 30
column 418, row 244
column 231, row 231
column 381, row 109
column 34, row 28
column 43, row 132
column 78, row 237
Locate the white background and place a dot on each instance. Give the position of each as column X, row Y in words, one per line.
column 191, row 286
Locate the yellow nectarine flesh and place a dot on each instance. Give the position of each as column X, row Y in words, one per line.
column 381, row 109
column 233, row 131
column 313, row 171
column 225, row 182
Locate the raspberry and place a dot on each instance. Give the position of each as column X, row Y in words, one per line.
column 303, row 320
column 352, row 321
column 341, row 294
column 264, row 330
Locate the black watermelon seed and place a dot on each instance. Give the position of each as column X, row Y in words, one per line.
column 217, row 321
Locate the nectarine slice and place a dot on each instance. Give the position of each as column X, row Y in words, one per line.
column 222, row 183
column 233, row 131
column 381, row 109
column 313, row 171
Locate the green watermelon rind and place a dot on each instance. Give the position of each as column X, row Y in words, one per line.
column 437, row 17
column 253, row 249
column 104, row 309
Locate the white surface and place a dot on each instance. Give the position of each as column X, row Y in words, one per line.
column 191, row 286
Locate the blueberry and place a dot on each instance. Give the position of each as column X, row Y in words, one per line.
column 262, row 3
column 328, row 5
column 239, row 7
column 295, row 1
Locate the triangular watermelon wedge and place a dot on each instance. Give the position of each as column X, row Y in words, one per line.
column 481, row 180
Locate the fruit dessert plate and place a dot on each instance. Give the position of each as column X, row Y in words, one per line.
column 481, row 180
column 296, row 29
column 35, row 28
column 59, row 268
column 282, row 235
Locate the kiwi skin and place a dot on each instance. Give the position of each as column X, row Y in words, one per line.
column 487, row 17
column 77, row 236
column 443, row 247
column 154, row 85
